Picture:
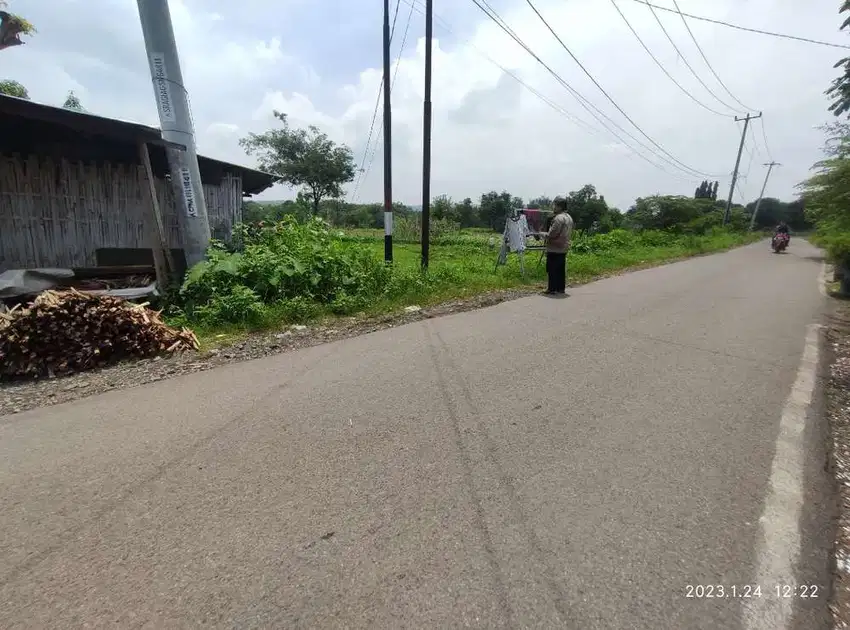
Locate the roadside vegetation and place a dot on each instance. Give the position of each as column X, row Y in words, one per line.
column 292, row 272
column 825, row 194
column 318, row 256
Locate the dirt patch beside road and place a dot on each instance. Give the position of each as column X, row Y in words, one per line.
column 16, row 397
column 22, row 396
column 837, row 408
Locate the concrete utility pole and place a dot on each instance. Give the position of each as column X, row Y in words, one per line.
column 769, row 166
column 388, row 143
column 176, row 122
column 746, row 120
column 426, row 137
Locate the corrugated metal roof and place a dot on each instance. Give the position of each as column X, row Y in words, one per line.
column 85, row 123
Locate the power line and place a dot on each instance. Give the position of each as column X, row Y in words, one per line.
column 744, row 28
column 766, row 145
column 358, row 180
column 584, row 102
column 685, row 61
column 584, row 125
column 663, row 69
column 557, row 108
column 571, row 117
column 705, row 59
column 756, row 147
column 613, row 102
column 753, row 151
column 392, row 85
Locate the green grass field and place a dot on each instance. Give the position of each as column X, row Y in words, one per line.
column 462, row 265
column 473, row 262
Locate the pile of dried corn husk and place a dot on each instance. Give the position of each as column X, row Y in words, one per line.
column 69, row 331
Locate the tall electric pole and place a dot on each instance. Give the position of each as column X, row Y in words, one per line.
column 746, row 120
column 769, row 166
column 172, row 103
column 388, row 143
column 426, row 136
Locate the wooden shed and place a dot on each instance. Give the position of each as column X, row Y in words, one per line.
column 72, row 187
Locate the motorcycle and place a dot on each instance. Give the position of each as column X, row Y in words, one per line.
column 780, row 242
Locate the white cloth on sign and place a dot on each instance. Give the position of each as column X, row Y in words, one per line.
column 515, row 233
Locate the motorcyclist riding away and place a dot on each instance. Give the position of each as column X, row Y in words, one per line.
column 782, row 228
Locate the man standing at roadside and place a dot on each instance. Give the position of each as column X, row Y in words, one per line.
column 557, row 246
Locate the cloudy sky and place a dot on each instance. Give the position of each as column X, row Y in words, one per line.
column 319, row 61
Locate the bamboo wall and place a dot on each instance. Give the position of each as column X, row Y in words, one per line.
column 58, row 213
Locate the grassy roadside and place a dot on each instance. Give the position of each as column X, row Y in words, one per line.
column 464, row 268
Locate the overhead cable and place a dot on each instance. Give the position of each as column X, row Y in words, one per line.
column 678, row 162
column 360, row 171
column 705, row 59
column 663, row 69
column 687, row 64
column 744, row 28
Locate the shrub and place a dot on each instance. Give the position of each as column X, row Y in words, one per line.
column 236, row 305
column 409, row 229
column 295, row 267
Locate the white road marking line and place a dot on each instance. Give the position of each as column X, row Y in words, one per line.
column 779, row 547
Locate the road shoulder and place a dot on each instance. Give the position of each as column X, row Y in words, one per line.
column 837, row 410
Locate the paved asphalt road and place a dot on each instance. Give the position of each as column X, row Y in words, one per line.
column 544, row 463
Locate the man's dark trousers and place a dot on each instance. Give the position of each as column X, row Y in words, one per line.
column 556, row 269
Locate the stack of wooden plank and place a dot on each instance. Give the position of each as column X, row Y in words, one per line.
column 63, row 332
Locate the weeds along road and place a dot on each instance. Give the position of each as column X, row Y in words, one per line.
column 580, row 463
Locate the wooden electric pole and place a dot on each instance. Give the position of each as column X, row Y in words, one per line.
column 426, row 136
column 388, row 143
column 746, row 120
column 769, row 166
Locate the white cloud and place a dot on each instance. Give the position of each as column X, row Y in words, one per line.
column 489, row 132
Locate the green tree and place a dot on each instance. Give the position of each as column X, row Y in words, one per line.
column 494, row 209
column 610, row 221
column 73, row 102
column 13, row 88
column 586, row 207
column 540, row 203
column 12, row 27
column 839, row 90
column 467, row 213
column 442, row 207
column 672, row 213
column 825, row 197
column 772, row 211
column 303, row 157
column 707, row 190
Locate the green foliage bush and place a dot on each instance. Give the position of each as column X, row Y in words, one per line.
column 825, row 194
column 292, row 272
column 408, row 229
column 295, row 267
